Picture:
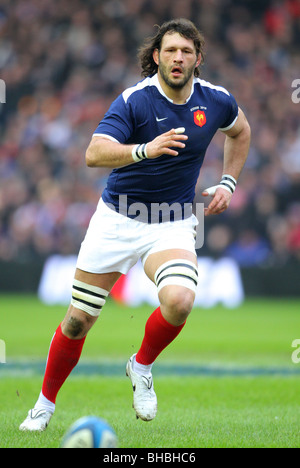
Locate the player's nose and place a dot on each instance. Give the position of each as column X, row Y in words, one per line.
column 178, row 57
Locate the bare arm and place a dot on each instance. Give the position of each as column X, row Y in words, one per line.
column 236, row 150
column 236, row 146
column 103, row 152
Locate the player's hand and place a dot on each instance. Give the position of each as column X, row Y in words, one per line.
column 165, row 144
column 220, row 202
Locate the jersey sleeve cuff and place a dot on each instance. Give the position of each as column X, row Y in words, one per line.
column 108, row 137
column 224, row 129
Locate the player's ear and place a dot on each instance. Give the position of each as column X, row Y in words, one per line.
column 155, row 56
column 199, row 58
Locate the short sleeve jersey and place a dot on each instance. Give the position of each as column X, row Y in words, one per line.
column 143, row 112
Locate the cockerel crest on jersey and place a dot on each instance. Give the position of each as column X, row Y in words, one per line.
column 199, row 118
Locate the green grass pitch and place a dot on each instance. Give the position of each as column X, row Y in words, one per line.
column 228, row 380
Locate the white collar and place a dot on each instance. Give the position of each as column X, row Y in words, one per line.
column 155, row 82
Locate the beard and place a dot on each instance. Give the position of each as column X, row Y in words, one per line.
column 175, row 83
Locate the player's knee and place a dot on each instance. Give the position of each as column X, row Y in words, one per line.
column 177, row 302
column 75, row 327
column 86, row 305
column 176, row 282
column 76, row 323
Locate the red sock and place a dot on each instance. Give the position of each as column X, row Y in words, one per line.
column 158, row 335
column 63, row 356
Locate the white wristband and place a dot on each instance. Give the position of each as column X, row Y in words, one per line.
column 139, row 152
column 227, row 182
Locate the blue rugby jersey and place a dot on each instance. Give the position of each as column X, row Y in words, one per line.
column 143, row 112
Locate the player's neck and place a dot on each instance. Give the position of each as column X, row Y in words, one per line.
column 178, row 96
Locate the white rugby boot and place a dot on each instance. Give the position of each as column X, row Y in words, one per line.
column 36, row 421
column 144, row 397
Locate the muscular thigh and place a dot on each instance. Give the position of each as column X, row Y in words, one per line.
column 101, row 280
column 155, row 260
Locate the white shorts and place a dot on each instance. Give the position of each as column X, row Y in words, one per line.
column 114, row 242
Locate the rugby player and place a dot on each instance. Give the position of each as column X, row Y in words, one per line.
column 154, row 138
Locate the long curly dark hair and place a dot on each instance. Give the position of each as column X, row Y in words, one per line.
column 185, row 28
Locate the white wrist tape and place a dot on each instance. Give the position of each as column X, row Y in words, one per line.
column 139, row 152
column 227, row 182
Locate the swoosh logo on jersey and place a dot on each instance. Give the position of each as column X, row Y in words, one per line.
column 159, row 120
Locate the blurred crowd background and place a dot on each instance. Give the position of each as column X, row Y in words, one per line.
column 64, row 62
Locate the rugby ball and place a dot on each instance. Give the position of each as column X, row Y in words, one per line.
column 90, row 432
